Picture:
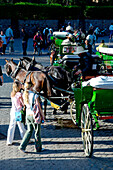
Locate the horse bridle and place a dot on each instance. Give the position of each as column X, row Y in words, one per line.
column 14, row 73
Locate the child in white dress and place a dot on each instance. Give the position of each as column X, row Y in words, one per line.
column 17, row 104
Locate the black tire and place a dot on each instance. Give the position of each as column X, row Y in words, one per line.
column 73, row 111
column 87, row 130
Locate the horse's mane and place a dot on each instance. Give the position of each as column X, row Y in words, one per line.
column 13, row 62
column 27, row 58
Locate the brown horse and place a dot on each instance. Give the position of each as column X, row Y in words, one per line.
column 38, row 79
column 57, row 76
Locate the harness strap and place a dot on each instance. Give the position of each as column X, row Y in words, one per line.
column 29, row 72
column 14, row 74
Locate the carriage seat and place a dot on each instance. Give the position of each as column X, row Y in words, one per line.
column 103, row 82
column 71, row 57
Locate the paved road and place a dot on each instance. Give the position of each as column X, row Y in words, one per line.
column 63, row 146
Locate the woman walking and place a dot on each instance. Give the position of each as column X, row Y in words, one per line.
column 17, row 104
column 34, row 117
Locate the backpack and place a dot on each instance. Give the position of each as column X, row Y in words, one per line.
column 36, row 110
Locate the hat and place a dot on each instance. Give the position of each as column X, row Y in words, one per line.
column 69, row 28
column 80, row 50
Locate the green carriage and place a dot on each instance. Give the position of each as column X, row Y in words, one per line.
column 90, row 105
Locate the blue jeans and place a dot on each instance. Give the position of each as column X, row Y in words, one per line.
column 30, row 127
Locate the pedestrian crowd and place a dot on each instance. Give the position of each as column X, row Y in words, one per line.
column 86, row 38
column 6, row 39
column 42, row 38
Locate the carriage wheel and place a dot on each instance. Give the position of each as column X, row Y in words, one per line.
column 73, row 111
column 87, row 130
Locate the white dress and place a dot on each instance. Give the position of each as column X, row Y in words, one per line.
column 12, row 125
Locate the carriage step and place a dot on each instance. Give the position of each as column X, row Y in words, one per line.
column 105, row 117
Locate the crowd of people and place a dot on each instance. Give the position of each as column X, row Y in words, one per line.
column 42, row 38
column 6, row 39
column 87, row 39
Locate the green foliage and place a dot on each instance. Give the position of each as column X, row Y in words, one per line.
column 25, row 10
column 99, row 12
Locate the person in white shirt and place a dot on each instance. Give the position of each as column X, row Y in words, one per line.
column 89, row 41
column 2, row 35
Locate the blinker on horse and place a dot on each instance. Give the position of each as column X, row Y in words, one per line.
column 37, row 78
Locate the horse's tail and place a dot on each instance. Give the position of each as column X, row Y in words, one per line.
column 47, row 86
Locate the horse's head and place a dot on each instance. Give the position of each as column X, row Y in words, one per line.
column 25, row 63
column 10, row 66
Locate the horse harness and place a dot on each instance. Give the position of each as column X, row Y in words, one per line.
column 15, row 72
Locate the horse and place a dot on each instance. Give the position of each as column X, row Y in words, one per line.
column 30, row 64
column 38, row 79
column 57, row 76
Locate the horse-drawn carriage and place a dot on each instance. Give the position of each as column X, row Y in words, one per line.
column 91, row 104
column 87, row 102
